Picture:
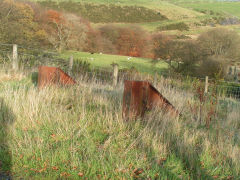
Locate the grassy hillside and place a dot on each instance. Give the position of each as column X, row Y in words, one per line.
column 225, row 8
column 107, row 12
column 151, row 15
column 167, row 9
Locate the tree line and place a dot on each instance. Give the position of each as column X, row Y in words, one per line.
column 30, row 24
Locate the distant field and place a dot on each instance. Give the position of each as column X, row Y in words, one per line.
column 104, row 61
column 226, row 8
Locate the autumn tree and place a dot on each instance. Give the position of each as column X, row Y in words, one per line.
column 212, row 66
column 93, row 41
column 78, row 29
column 131, row 41
column 128, row 40
column 65, row 31
column 220, row 47
column 162, row 46
column 58, row 33
column 220, row 42
column 187, row 55
column 17, row 24
column 110, row 32
column 181, row 55
column 109, row 37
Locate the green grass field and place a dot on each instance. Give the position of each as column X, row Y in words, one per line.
column 104, row 61
column 227, row 8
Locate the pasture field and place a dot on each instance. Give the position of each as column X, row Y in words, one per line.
column 78, row 133
column 104, row 61
column 230, row 9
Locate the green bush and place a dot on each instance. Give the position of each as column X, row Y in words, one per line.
column 80, row 66
column 181, row 26
column 212, row 67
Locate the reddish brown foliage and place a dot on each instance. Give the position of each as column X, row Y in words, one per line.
column 93, row 43
column 131, row 42
column 128, row 41
column 55, row 16
column 161, row 46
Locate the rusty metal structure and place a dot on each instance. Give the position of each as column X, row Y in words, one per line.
column 141, row 96
column 53, row 76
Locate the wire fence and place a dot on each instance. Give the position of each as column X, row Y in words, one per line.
column 224, row 88
column 30, row 58
column 229, row 91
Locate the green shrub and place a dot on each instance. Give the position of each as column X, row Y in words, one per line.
column 181, row 26
column 34, row 78
column 80, row 66
column 212, row 67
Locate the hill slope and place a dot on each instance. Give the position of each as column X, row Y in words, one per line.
column 166, row 9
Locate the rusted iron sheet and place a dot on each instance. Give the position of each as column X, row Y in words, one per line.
column 141, row 96
column 134, row 97
column 156, row 99
column 52, row 75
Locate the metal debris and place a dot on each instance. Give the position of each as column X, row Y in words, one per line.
column 141, row 96
column 53, row 76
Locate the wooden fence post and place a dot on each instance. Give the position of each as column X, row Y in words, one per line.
column 15, row 57
column 70, row 65
column 115, row 74
column 206, row 85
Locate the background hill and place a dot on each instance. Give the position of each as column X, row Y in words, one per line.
column 154, row 13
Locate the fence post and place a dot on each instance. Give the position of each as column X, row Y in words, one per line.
column 15, row 57
column 70, row 65
column 206, row 85
column 115, row 74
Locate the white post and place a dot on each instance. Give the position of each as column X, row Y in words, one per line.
column 115, row 74
column 206, row 85
column 15, row 57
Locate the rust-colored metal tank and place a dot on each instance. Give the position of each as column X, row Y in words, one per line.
column 52, row 75
column 141, row 96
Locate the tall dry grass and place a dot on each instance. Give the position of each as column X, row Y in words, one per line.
column 76, row 132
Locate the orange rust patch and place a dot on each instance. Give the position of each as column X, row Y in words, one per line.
column 52, row 75
column 141, row 96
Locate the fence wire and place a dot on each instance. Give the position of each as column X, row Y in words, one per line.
column 32, row 58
